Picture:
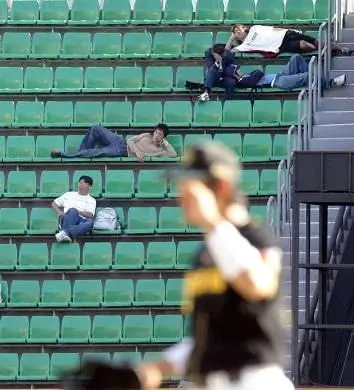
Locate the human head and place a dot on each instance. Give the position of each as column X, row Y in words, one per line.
column 240, row 32
column 85, row 183
column 160, row 132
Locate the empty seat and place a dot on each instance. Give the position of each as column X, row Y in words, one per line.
column 76, row 45
column 149, row 292
column 98, row 79
column 54, row 12
column 87, row 113
column 118, row 292
column 106, row 329
column 55, row 293
column 268, row 182
column 14, row 329
column 106, row 45
column 178, row 12
column 96, row 175
column 171, row 220
column 13, row 220
column 168, row 328
column 185, row 253
column 185, row 73
column 62, row 361
column 119, row 184
column 160, row 255
column 11, row 79
column 137, row 329
column 158, row 79
column 167, row 45
column 8, row 366
column 114, row 12
column 299, row 11
column 208, row 114
column 44, row 329
column 257, row 147
column 34, row 366
column 43, row 221
column 147, row 12
column 84, row 12
column 45, row 45
column 136, row 45
column 8, row 258
column 24, row 293
column 280, row 146
column 151, row 184
column 178, row 114
column 233, row 141
column 117, row 114
column 68, row 79
column 240, row 12
column 195, row 139
column 174, row 292
column 87, row 293
column 289, row 113
column 21, row 184
column 15, row 45
column 97, row 255
column 196, row 43
column 127, row 356
column 7, row 113
column 259, row 213
column 147, row 114
column 269, row 11
column 129, row 255
column 24, row 12
column 75, row 329
column 65, row 256
column 29, row 114
column 3, row 13
column 209, row 12
column 321, row 10
column 38, row 80
column 250, row 182
column 266, row 113
column 128, row 79
column 53, row 184
column 20, row 148
column 33, row 256
column 95, row 356
column 237, row 113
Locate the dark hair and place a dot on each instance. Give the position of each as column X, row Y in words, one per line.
column 87, row 179
column 164, row 128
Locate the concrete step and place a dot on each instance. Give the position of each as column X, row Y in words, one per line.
column 314, row 229
column 343, row 62
column 287, row 274
column 347, row 35
column 334, row 117
column 347, row 91
column 286, row 244
column 336, row 103
column 349, row 73
column 286, row 288
column 349, row 21
column 332, row 213
column 345, row 130
column 326, row 144
column 302, row 257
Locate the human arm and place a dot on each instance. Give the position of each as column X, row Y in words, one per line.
column 133, row 148
column 230, row 42
column 58, row 205
column 90, row 209
column 167, row 150
column 86, row 214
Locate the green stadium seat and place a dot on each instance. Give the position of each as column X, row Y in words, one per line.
column 222, row 37
column 13, row 220
column 34, row 366
column 171, row 220
column 84, row 12
column 20, row 148
column 38, row 80
column 207, row 114
column 106, row 329
column 178, row 12
column 97, row 255
column 321, row 11
column 233, row 140
column 128, row 79
column 147, row 114
column 8, row 366
column 54, row 12
column 87, row 113
column 167, row 45
column 127, row 356
column 250, row 182
column 141, row 220
column 24, row 293
column 299, row 11
column 274, row 68
column 118, row 114
column 2, row 182
column 76, row 45
column 33, row 256
column 3, row 17
column 151, row 356
column 114, row 12
column 96, row 189
column 185, row 253
column 129, row 255
column 240, row 12
column 257, row 147
column 68, row 79
column 137, row 329
column 195, row 139
column 187, row 326
column 44, row 329
column 174, row 292
column 13, row 329
column 158, row 79
column 55, row 293
column 11, row 79
column 15, row 45
column 96, row 356
column 29, row 114
column 177, row 114
column 266, row 113
column 118, row 292
column 21, row 184
column 289, row 113
column 168, row 328
column 209, row 12
column 8, row 258
column 196, row 43
column 259, row 213
column 72, row 142
column 53, row 184
column 185, row 73
column 45, row 45
column 61, row 362
column 176, row 141
column 24, row 12
column 2, row 155
column 237, row 113
column 151, row 184
column 87, row 293
column 75, row 329
column 43, row 221
column 147, row 12
column 149, row 292
column 7, row 113
column 65, row 257
column 106, row 45
column 98, row 79
column 269, row 12
column 119, row 183
column 160, row 255
column 136, row 45
column 280, row 146
column 4, row 293
column 268, row 182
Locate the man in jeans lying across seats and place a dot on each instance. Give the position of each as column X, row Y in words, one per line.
column 76, row 210
column 101, row 142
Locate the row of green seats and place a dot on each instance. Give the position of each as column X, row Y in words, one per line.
column 122, row 79
column 97, row 256
column 129, row 45
column 139, row 220
column 88, row 12
column 234, row 113
column 31, row 366
column 94, row 293
column 143, row 328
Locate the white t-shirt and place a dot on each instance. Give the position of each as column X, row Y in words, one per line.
column 73, row 200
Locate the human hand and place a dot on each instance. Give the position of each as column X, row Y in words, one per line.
column 140, row 156
column 149, row 374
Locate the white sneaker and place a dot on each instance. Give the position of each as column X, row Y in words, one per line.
column 340, row 81
column 204, row 97
column 62, row 237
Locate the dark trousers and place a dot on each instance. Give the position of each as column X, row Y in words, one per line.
column 74, row 225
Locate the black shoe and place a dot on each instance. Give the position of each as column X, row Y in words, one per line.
column 55, row 154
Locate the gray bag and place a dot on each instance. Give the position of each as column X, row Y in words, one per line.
column 106, row 219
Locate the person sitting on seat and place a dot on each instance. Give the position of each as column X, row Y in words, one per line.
column 101, row 142
column 76, row 210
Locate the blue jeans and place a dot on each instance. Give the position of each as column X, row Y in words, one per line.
column 100, row 142
column 74, row 225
